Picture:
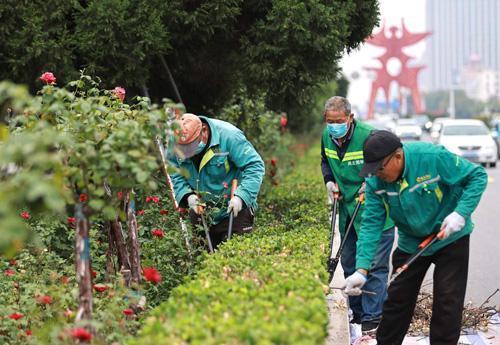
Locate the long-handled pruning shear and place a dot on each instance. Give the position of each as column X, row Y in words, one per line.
column 201, row 212
column 330, row 266
column 333, row 262
column 170, row 186
column 422, row 247
column 234, row 185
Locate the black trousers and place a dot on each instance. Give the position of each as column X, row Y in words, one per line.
column 450, row 281
column 242, row 224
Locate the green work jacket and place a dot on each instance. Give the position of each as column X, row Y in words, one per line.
column 434, row 183
column 230, row 155
column 346, row 173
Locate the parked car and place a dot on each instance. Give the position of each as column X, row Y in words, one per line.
column 470, row 139
column 495, row 133
column 408, row 129
column 424, row 121
column 436, row 128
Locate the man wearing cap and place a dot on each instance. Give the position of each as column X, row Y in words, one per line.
column 424, row 188
column 342, row 159
column 210, row 154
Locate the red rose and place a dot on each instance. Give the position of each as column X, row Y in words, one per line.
column 28, row 332
column 44, row 299
column 140, row 212
column 93, row 273
column 283, row 121
column 25, row 215
column 100, row 287
column 152, row 275
column 71, row 220
column 128, row 312
column 15, row 316
column 163, row 212
column 274, row 161
column 83, row 197
column 158, row 233
column 12, row 262
column 120, row 195
column 48, row 78
column 119, row 92
column 154, row 199
column 8, row 272
column 81, row 334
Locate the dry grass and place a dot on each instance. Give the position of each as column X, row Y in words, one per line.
column 473, row 317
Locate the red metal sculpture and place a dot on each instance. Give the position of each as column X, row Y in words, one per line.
column 407, row 77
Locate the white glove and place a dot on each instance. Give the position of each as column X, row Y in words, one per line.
column 454, row 222
column 235, row 205
column 354, row 283
column 331, row 188
column 193, row 202
column 362, row 189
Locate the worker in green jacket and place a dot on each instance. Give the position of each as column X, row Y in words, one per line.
column 424, row 188
column 209, row 154
column 342, row 159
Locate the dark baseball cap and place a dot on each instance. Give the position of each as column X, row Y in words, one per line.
column 377, row 146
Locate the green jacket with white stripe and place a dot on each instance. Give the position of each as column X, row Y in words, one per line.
column 346, row 174
column 434, row 183
column 230, row 155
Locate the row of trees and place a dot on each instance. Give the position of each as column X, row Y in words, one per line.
column 202, row 52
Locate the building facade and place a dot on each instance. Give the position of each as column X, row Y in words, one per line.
column 461, row 29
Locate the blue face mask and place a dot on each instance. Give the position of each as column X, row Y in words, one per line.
column 201, row 146
column 337, row 130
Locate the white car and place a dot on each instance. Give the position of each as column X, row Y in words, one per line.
column 436, row 128
column 408, row 129
column 470, row 139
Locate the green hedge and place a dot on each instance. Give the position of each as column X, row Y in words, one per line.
column 265, row 288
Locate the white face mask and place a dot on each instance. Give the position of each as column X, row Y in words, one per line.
column 201, row 147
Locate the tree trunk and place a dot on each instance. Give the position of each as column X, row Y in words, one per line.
column 82, row 255
column 110, row 265
column 171, row 79
column 135, row 255
column 121, row 249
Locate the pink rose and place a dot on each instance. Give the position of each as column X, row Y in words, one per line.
column 48, row 78
column 119, row 92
